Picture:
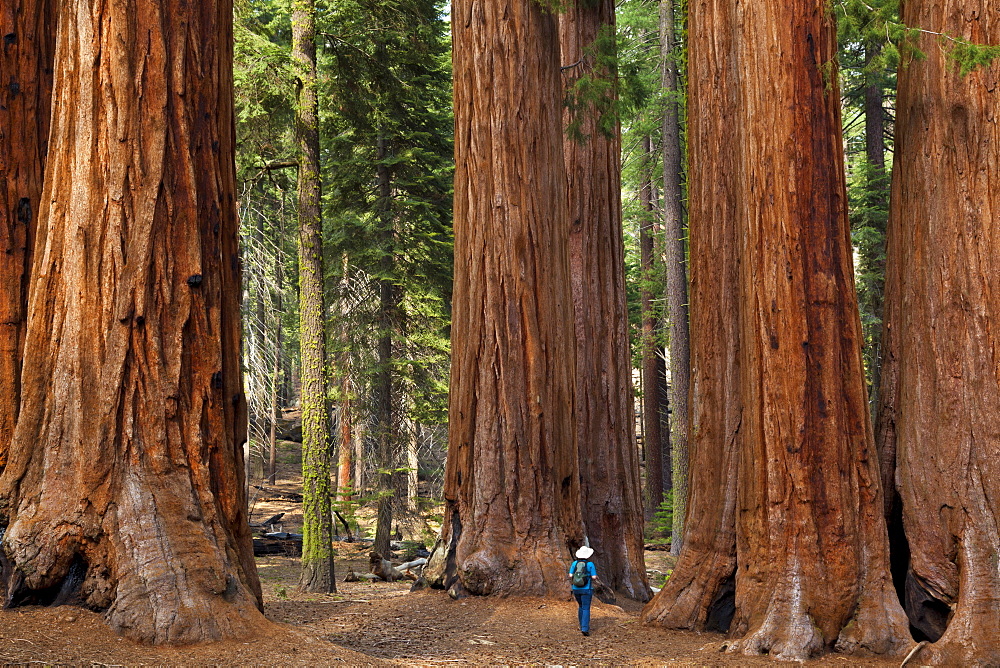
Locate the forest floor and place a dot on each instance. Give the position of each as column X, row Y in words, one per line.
column 384, row 624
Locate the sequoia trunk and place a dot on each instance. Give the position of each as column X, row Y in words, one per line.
column 124, row 489
column 809, row 476
column 699, row 593
column 943, row 296
column 610, row 488
column 512, row 499
column 26, row 53
column 317, row 529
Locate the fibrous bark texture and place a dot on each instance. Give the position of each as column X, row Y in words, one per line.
column 811, row 544
column 943, row 297
column 317, row 528
column 811, row 537
column 124, row 489
column 699, row 593
column 678, row 340
column 512, row 507
column 26, row 52
column 610, row 489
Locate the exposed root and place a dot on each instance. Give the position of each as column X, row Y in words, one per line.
column 913, row 652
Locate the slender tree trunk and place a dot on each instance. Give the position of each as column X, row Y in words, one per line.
column 412, row 464
column 279, row 286
column 652, row 436
column 610, row 487
column 360, row 436
column 877, row 193
column 942, row 289
column 272, row 456
column 387, row 320
column 512, row 496
column 809, row 471
column 26, row 55
column 317, row 529
column 700, row 593
column 345, row 462
column 345, row 451
column 677, row 290
column 124, row 489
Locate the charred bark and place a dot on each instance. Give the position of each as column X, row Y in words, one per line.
column 512, row 499
column 124, row 489
column 610, row 488
column 941, row 303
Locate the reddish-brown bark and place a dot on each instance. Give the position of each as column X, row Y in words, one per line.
column 942, row 298
column 610, row 489
column 699, row 593
column 124, row 490
column 811, row 538
column 512, row 500
column 811, row 543
column 26, row 51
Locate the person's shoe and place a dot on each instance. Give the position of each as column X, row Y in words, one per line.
column 586, row 633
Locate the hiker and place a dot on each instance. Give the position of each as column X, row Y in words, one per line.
column 582, row 575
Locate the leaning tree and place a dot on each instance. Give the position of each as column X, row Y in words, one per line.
column 512, row 509
column 942, row 382
column 124, row 487
column 811, row 542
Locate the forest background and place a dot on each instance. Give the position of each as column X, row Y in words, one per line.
column 350, row 295
column 386, row 164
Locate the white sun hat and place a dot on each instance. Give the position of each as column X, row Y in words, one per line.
column 584, row 552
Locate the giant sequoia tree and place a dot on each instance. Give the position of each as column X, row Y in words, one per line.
column 807, row 474
column 512, row 482
column 124, row 488
column 610, row 489
column 942, row 389
column 26, row 55
column 699, row 593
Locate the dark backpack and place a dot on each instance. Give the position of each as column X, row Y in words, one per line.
column 580, row 576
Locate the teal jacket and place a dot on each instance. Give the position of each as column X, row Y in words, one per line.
column 591, row 571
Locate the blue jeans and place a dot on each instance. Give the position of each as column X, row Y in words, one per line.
column 583, row 597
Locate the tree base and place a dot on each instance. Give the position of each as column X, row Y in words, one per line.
column 318, row 578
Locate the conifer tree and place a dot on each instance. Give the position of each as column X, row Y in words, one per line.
column 317, row 530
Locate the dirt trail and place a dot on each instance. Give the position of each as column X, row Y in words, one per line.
column 383, row 624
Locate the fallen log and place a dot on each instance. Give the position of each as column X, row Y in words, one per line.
column 383, row 568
